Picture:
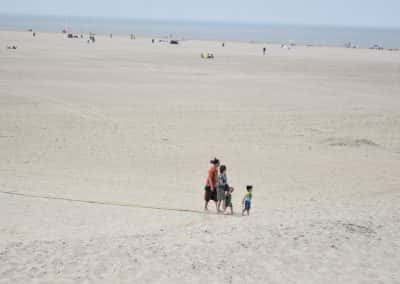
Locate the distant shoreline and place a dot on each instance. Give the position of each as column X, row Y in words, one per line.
column 139, row 36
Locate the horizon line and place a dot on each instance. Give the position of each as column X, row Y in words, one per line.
column 205, row 21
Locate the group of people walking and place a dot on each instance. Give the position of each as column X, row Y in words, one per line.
column 218, row 190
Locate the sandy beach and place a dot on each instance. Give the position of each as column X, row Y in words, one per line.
column 105, row 147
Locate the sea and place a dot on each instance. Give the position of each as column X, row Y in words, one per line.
column 243, row 32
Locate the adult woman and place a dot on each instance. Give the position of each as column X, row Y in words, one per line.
column 211, row 183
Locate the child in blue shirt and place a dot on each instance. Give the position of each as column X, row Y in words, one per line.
column 247, row 200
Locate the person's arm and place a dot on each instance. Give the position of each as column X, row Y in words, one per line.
column 210, row 182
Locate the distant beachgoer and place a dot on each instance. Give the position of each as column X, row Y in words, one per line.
column 34, row 34
column 228, row 200
column 152, row 40
column 221, row 188
column 223, row 44
column 247, row 200
column 211, row 184
column 110, row 35
column 264, row 50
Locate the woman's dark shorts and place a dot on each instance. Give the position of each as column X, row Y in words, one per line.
column 247, row 205
column 209, row 194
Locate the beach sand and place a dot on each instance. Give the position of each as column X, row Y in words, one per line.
column 130, row 126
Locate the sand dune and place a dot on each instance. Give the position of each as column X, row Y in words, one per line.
column 130, row 126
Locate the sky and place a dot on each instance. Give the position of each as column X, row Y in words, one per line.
column 369, row 13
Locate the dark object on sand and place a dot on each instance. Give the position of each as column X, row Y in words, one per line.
column 377, row 47
column 152, row 40
column 223, row 44
column 350, row 45
column 72, row 36
column 174, row 41
column 110, row 35
column 264, row 50
column 34, row 34
column 14, row 47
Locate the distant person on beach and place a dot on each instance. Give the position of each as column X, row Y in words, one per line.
column 210, row 192
column 152, row 40
column 264, row 50
column 246, row 202
column 221, row 188
column 228, row 200
column 223, row 44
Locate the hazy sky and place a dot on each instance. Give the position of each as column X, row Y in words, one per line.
column 378, row 13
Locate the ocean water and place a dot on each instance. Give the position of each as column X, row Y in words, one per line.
column 266, row 33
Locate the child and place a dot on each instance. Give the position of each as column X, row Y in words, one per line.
column 228, row 200
column 247, row 200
